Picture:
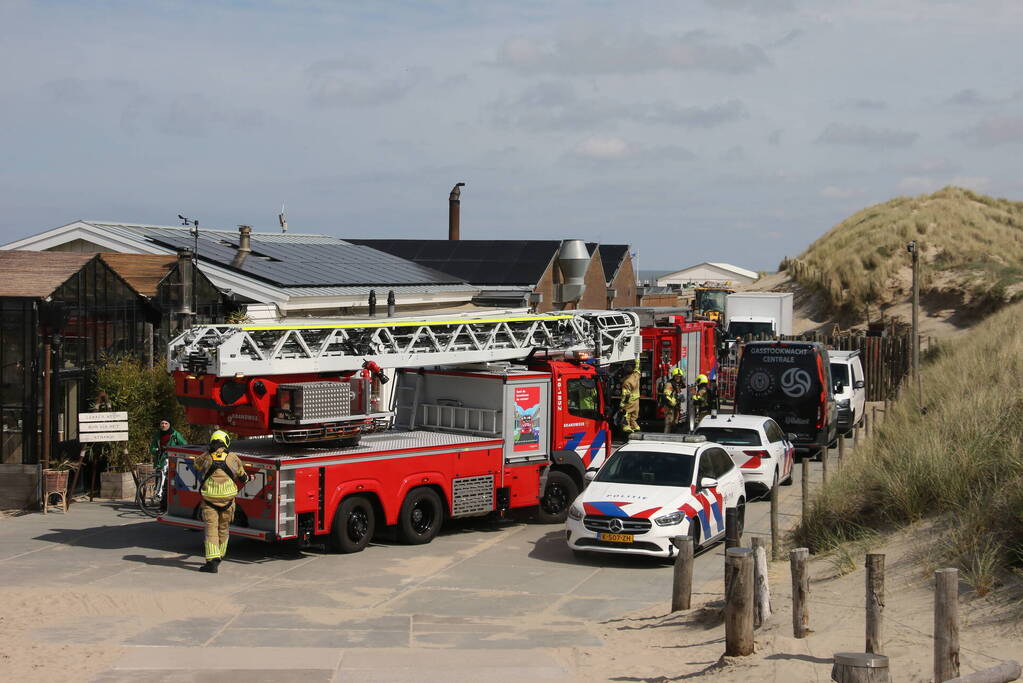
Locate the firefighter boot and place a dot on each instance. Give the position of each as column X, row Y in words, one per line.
column 210, row 567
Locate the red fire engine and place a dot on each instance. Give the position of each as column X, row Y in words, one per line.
column 672, row 342
column 485, row 415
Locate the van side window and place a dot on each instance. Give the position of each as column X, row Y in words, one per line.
column 857, row 371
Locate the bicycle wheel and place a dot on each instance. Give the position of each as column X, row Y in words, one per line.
column 148, row 496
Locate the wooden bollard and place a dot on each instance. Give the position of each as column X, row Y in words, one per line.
column 866, row 425
column 738, row 602
column 733, row 537
column 841, row 448
column 775, row 536
column 857, row 429
column 875, row 603
column 800, row 592
column 682, row 580
column 825, row 459
column 860, row 667
column 1004, row 672
column 761, row 585
column 806, row 488
column 946, row 624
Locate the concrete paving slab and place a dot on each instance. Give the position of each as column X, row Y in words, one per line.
column 431, row 623
column 304, row 638
column 228, row 658
column 599, row 609
column 322, row 620
column 469, row 603
column 194, row 632
column 456, row 665
column 221, row 676
column 527, row 639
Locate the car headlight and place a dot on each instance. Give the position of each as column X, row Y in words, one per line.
column 670, row 519
column 575, row 513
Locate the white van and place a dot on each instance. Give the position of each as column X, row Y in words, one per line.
column 850, row 389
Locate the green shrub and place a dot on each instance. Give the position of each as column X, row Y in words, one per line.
column 147, row 394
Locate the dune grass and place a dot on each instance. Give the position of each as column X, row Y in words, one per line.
column 970, row 244
column 960, row 463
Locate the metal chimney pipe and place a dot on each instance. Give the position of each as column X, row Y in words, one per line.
column 244, row 245
column 185, row 273
column 454, row 212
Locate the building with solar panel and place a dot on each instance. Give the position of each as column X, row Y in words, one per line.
column 275, row 274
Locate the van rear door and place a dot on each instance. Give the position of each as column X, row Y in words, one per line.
column 785, row 382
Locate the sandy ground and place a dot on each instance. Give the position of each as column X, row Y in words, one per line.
column 654, row 645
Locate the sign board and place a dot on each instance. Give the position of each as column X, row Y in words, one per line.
column 103, row 417
column 102, row 427
column 97, row 437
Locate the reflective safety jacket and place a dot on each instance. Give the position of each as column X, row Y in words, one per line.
column 669, row 394
column 218, row 472
column 630, row 388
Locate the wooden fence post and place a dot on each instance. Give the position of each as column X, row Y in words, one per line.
column 682, row 580
column 946, row 624
column 761, row 585
column 841, row 448
column 866, row 424
column 800, row 592
column 738, row 602
column 775, row 536
column 806, row 487
column 875, row 603
column 733, row 539
column 825, row 457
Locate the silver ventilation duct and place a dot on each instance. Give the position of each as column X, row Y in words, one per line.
column 573, row 260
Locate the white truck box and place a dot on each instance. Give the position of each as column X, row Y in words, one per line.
column 761, row 307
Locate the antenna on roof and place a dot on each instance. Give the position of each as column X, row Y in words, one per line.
column 282, row 219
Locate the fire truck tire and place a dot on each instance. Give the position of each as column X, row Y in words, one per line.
column 420, row 517
column 354, row 524
column 557, row 498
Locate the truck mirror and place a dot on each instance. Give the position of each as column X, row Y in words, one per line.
column 859, row 384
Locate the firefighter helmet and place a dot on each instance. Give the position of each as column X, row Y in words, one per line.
column 702, row 379
column 675, row 372
column 221, row 436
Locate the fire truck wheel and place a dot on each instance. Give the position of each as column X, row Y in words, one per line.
column 557, row 497
column 354, row 523
column 420, row 517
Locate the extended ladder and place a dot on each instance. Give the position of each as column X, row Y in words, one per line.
column 254, row 350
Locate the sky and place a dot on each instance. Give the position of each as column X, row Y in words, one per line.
column 703, row 130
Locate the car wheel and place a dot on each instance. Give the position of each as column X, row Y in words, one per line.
column 420, row 517
column 354, row 525
column 558, row 495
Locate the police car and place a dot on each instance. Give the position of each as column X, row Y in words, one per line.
column 655, row 487
column 757, row 445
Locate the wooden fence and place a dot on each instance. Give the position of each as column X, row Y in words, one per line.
column 886, row 361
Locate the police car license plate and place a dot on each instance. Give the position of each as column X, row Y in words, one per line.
column 616, row 538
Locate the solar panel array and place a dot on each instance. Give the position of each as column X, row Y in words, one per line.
column 479, row 262
column 293, row 263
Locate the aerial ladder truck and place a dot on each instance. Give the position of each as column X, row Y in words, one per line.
column 398, row 422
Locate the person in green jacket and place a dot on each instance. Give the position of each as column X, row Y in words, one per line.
column 164, row 437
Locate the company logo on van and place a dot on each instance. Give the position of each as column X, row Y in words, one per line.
column 795, row 382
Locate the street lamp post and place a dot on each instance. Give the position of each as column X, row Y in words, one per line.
column 914, row 251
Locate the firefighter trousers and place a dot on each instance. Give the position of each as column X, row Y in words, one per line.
column 217, row 517
column 631, row 411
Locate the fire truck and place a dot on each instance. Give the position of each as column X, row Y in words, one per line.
column 484, row 414
column 673, row 342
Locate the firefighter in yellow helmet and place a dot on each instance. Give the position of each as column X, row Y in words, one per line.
column 221, row 472
column 630, row 399
column 701, row 399
column 673, row 398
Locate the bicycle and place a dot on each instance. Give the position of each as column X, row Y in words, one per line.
column 150, row 496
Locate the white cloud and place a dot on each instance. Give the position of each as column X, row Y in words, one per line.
column 835, row 192
column 857, row 135
column 996, row 130
column 603, row 147
column 631, row 52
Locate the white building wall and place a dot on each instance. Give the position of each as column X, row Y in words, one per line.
column 699, row 274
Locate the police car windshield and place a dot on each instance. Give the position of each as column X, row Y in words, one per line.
column 731, row 436
column 651, row 468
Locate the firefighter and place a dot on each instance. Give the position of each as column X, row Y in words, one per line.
column 630, row 399
column 702, row 397
column 674, row 397
column 221, row 473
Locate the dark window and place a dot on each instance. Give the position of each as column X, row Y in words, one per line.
column 840, row 373
column 647, row 467
column 773, row 431
column 722, row 463
column 731, row 436
column 707, row 467
column 583, row 400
